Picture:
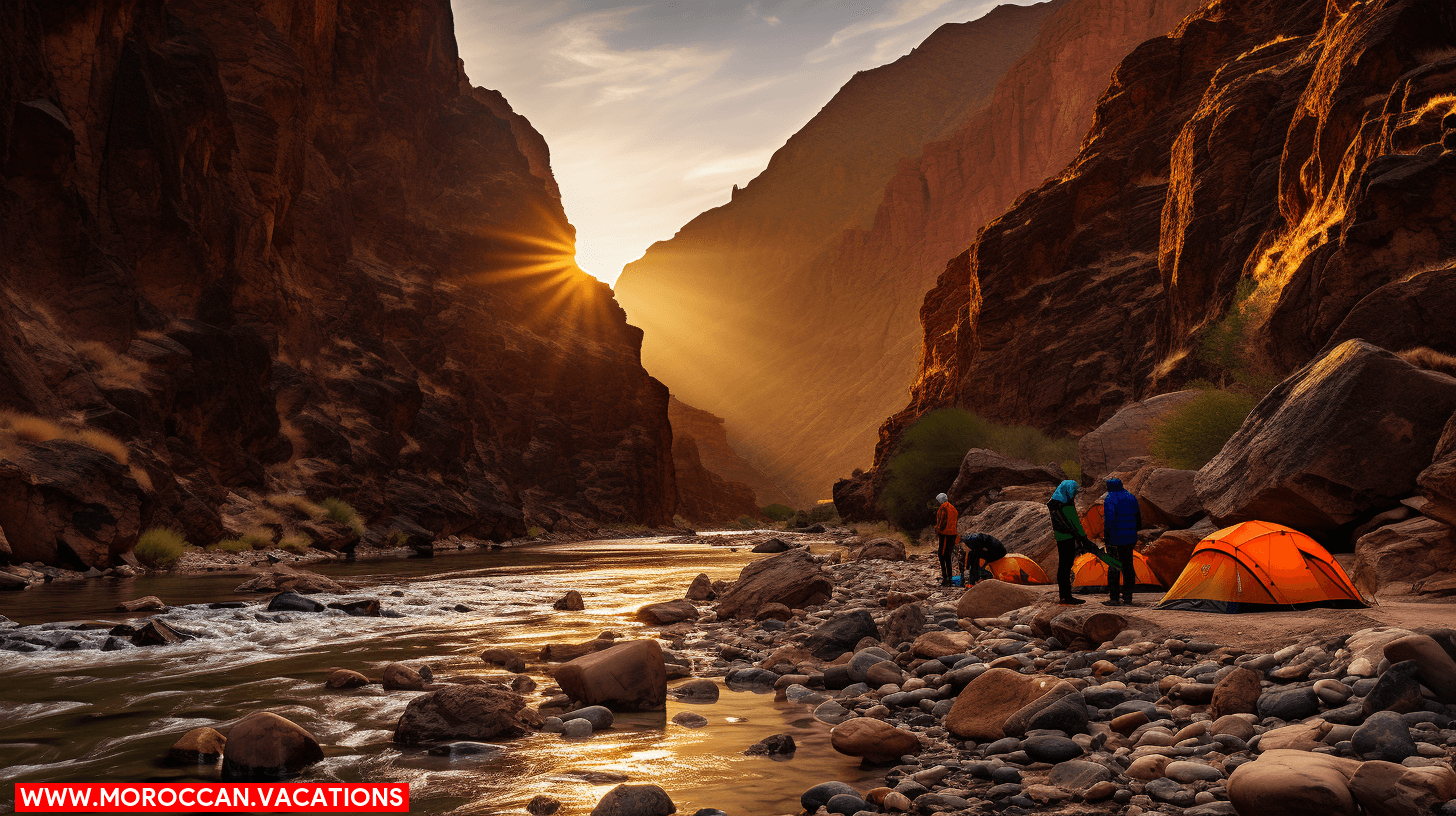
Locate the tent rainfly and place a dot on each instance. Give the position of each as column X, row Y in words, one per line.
column 1089, row 574
column 1258, row 566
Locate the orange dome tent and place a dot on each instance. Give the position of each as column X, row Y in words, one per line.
column 1015, row 568
column 1258, row 566
column 1092, row 521
column 1089, row 574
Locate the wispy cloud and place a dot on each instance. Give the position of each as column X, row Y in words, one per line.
column 587, row 60
column 736, row 165
column 895, row 16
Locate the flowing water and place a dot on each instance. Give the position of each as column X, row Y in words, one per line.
column 91, row 716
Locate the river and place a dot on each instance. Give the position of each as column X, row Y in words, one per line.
column 92, row 716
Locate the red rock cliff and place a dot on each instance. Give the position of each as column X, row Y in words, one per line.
column 285, row 245
column 820, row 343
column 1295, row 145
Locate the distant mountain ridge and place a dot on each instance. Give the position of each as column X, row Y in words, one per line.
column 793, row 310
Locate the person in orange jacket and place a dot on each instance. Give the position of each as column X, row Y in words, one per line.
column 945, row 527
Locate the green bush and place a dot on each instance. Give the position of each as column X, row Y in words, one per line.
column 338, row 510
column 930, row 454
column 160, row 547
column 778, row 512
column 1195, row 432
column 236, row 545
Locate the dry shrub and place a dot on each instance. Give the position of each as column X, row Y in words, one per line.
column 296, row 544
column 1429, row 359
column 296, row 504
column 31, row 428
column 160, row 547
column 109, row 366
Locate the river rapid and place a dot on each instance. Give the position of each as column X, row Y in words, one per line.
column 93, row 716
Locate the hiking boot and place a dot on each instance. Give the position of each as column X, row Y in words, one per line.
column 1071, row 601
column 1128, row 602
column 1112, row 602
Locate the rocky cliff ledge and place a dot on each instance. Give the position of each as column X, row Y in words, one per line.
column 1303, row 149
column 284, row 246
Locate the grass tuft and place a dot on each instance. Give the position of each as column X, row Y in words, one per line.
column 299, row 505
column 338, row 510
column 296, row 544
column 36, row 429
column 160, row 547
column 1429, row 359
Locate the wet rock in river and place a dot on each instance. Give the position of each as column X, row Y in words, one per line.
column 399, row 677
column 635, row 800
column 466, row 748
column 561, row 652
column 570, row 602
column 776, row 745
column 346, row 679
column 264, row 746
column 689, row 719
column 158, row 633
column 368, row 608
column 508, row 659
column 794, row 578
column 464, row 713
column 627, row 677
column 293, row 602
column 576, row 729
column 599, row 716
column 697, row 691
column 668, row 612
column 542, row 806
column 701, row 589
column 200, row 746
column 12, row 583
column 150, row 603
column 773, row 545
column 873, row 740
column 819, row 795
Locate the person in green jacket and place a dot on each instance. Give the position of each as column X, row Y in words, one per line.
column 1067, row 529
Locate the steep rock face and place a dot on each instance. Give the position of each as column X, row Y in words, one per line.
column 718, row 457
column 1297, row 146
column 284, row 245
column 727, row 279
column 704, row 496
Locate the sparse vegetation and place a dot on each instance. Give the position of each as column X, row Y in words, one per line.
column 109, row 367
column 1429, row 359
column 867, row 531
column 397, row 538
column 1193, row 434
column 747, row 523
column 237, row 545
column 340, row 511
column 1227, row 348
column 930, row 454
column 32, row 428
column 296, row 544
column 778, row 512
column 160, row 547
column 820, row 514
column 299, row 505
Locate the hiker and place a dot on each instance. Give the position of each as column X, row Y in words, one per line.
column 945, row 527
column 1067, row 529
column 1121, row 521
column 979, row 547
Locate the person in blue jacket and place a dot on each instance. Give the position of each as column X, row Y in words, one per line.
column 1121, row 520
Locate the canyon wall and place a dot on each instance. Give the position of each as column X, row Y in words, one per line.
column 793, row 310
column 284, row 246
column 1301, row 148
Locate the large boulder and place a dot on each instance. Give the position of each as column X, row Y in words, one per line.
column 982, row 708
column 473, row 712
column 839, row 634
column 794, row 579
column 283, row 578
column 1346, row 435
column 1388, row 789
column 264, row 746
column 1128, row 434
column 69, row 505
column 1295, row 783
column 1169, row 553
column 873, row 740
column 635, row 800
column 1438, row 482
column 983, row 471
column 880, row 549
column 992, row 599
column 1024, row 527
column 630, row 676
column 200, row 746
column 667, row 612
column 1169, row 498
column 1413, row 556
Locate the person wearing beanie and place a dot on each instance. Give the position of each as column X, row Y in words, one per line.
column 945, row 527
column 1067, row 529
column 1121, row 520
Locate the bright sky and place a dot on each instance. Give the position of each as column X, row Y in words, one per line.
column 654, row 110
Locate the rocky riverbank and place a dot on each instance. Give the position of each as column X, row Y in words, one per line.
column 991, row 700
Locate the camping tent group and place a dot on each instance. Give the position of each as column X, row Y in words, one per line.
column 1252, row 566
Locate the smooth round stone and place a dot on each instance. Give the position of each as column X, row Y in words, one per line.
column 845, row 804
column 1166, row 790
column 830, row 711
column 1051, row 749
column 599, row 716
column 819, row 795
column 552, row 725
column 1189, row 772
column 1006, row 775
column 1332, row 693
column 576, row 729
column 688, row 719
column 1005, row 745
